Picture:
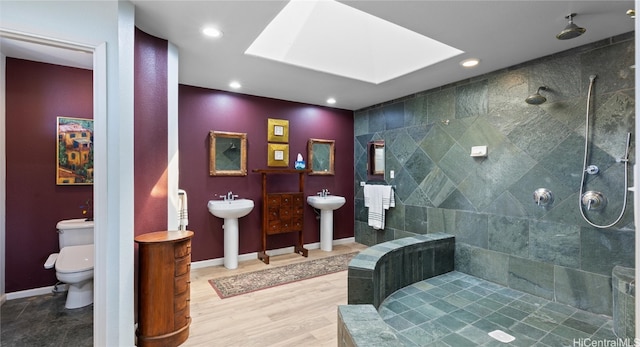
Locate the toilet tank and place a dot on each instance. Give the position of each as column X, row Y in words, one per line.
column 74, row 232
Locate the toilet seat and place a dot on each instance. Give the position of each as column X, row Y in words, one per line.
column 75, row 259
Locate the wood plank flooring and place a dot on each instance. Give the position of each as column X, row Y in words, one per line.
column 302, row 313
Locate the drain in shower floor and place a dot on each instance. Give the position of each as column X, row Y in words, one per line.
column 501, row 336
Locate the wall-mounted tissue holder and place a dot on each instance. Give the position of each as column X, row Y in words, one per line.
column 479, row 151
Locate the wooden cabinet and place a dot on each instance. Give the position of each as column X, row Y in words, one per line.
column 285, row 212
column 164, row 288
column 282, row 212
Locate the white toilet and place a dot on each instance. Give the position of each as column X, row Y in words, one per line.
column 74, row 263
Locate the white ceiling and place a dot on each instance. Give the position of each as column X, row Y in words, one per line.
column 499, row 33
column 44, row 53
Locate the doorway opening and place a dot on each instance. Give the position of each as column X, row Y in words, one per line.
column 37, row 48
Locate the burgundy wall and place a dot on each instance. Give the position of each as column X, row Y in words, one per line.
column 36, row 94
column 150, row 140
column 202, row 110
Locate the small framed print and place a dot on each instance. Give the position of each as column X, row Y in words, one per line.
column 278, row 130
column 278, row 155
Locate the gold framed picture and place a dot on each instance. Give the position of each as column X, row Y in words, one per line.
column 278, row 155
column 321, row 155
column 278, row 130
column 227, row 153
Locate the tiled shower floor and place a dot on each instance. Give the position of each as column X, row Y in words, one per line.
column 459, row 310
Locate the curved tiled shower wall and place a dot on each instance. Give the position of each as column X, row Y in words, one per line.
column 487, row 203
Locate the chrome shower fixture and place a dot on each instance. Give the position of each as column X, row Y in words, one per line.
column 571, row 30
column 593, row 200
column 631, row 13
column 592, row 170
column 543, row 197
column 536, row 98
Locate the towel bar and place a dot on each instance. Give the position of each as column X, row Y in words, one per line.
column 379, row 184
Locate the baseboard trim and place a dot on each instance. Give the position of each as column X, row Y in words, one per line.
column 29, row 292
column 194, row 265
column 271, row 252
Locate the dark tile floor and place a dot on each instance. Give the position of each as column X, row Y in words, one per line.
column 459, row 310
column 43, row 321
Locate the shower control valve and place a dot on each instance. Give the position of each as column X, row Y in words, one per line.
column 542, row 197
column 594, row 201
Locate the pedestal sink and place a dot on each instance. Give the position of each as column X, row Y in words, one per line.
column 230, row 211
column 326, row 205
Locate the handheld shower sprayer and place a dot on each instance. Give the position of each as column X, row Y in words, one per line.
column 625, row 159
column 592, row 200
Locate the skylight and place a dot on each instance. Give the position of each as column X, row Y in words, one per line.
column 331, row 37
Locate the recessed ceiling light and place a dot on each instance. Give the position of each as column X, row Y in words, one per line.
column 331, row 101
column 212, row 32
column 235, row 85
column 470, row 62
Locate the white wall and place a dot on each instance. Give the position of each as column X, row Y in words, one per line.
column 109, row 27
column 172, row 137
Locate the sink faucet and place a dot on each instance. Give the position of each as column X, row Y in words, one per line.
column 324, row 193
column 229, row 197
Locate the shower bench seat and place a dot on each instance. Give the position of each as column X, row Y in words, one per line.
column 380, row 270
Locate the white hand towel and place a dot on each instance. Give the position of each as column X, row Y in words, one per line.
column 378, row 198
column 388, row 199
column 183, row 211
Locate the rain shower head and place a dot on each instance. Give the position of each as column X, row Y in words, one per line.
column 571, row 30
column 536, row 99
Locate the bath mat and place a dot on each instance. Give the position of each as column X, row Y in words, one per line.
column 253, row 281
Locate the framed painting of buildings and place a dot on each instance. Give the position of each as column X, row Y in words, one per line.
column 74, row 156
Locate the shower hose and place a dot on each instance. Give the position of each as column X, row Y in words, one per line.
column 625, row 160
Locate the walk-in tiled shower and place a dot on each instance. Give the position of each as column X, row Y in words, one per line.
column 502, row 234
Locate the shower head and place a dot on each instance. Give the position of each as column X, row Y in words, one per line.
column 536, row 99
column 571, row 30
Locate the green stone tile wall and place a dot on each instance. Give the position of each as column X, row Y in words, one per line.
column 380, row 270
column 624, row 297
column 361, row 325
column 487, row 203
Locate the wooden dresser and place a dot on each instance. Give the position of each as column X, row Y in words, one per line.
column 164, row 288
column 282, row 212
column 285, row 212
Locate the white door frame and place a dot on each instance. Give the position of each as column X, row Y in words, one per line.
column 100, row 160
